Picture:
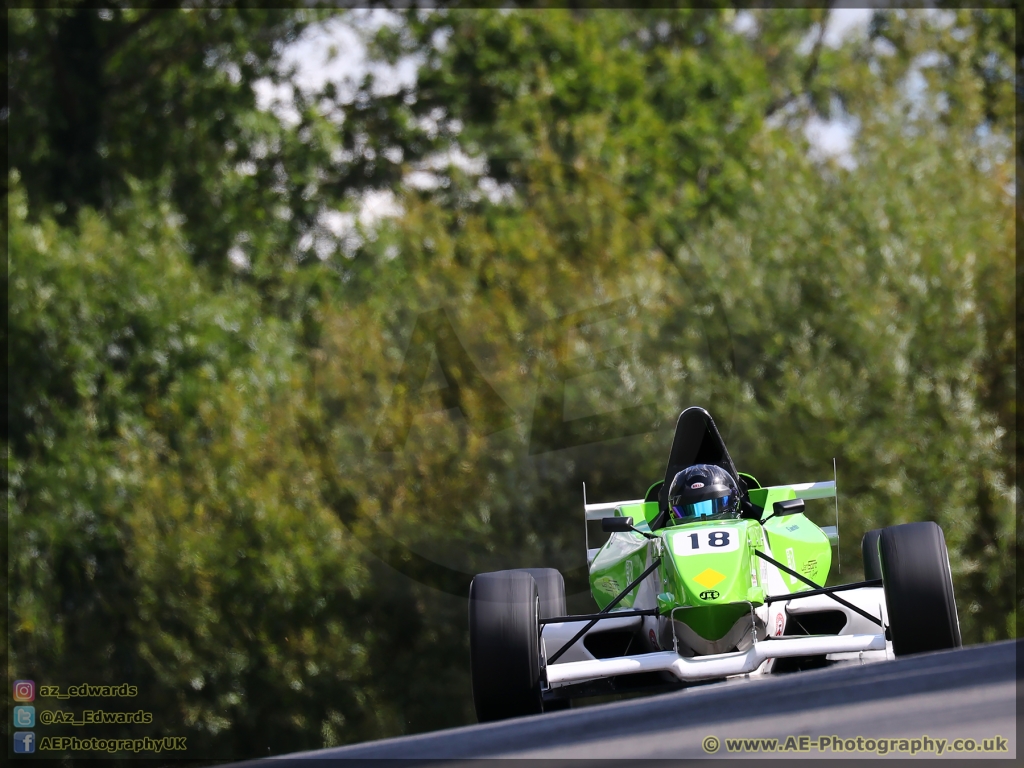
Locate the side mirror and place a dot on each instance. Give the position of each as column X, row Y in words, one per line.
column 784, row 508
column 616, row 524
column 791, row 507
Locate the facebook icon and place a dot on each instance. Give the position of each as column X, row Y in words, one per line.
column 24, row 742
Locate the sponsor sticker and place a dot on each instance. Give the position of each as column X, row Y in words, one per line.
column 709, row 578
column 791, row 562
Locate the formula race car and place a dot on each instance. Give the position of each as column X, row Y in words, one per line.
column 709, row 576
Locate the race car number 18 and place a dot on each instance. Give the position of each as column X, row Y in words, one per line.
column 706, row 542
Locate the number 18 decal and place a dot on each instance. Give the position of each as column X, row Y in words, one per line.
column 708, row 541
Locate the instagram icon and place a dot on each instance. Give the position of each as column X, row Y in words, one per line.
column 24, row 690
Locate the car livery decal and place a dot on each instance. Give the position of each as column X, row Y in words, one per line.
column 706, row 541
column 791, row 562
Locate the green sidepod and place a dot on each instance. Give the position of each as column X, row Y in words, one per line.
column 623, row 557
column 796, row 542
column 619, row 561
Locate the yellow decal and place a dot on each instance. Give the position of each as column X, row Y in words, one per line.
column 708, row 578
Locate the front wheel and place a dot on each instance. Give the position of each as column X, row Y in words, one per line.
column 550, row 589
column 504, row 645
column 918, row 588
column 551, row 592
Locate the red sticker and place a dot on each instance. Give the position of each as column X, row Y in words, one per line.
column 654, row 640
column 778, row 624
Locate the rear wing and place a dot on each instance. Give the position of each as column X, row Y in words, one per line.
column 823, row 490
column 760, row 496
column 606, row 509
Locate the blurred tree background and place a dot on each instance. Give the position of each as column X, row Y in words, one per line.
column 258, row 443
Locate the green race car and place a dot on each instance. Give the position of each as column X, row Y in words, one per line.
column 709, row 576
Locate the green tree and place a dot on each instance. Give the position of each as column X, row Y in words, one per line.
column 168, row 531
column 99, row 97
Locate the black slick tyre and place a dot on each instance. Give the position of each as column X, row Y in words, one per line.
column 918, row 588
column 504, row 645
column 550, row 588
column 869, row 550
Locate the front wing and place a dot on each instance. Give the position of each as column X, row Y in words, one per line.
column 857, row 640
column 709, row 667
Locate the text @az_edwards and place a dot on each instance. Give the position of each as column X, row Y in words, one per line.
column 86, row 690
column 862, row 744
column 95, row 717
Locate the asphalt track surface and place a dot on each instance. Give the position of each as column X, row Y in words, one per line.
column 969, row 693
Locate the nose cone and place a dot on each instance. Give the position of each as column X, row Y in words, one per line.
column 711, row 561
column 713, row 575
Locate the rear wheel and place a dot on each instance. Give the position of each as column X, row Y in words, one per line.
column 869, row 549
column 504, row 645
column 918, row 588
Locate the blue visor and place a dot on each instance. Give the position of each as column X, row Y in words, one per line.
column 701, row 508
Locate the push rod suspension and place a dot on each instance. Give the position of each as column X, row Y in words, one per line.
column 597, row 617
column 822, row 589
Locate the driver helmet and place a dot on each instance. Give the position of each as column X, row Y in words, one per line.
column 703, row 492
